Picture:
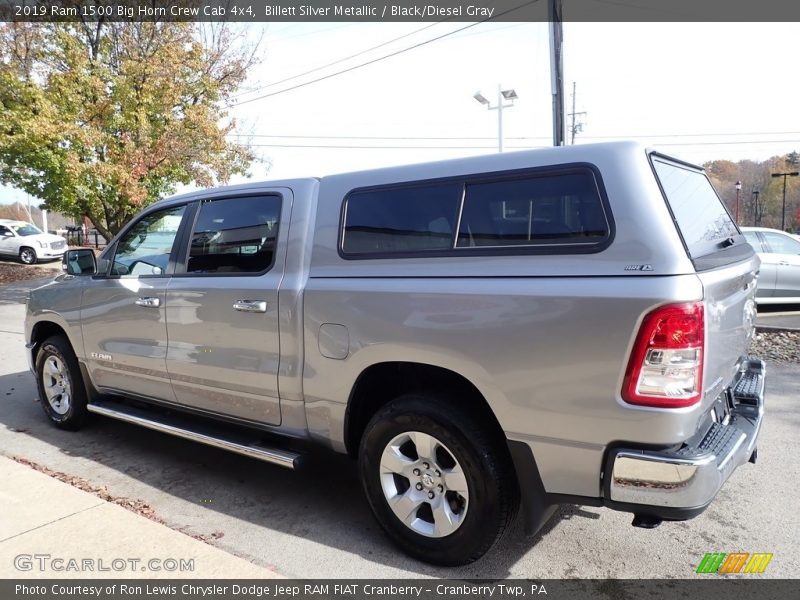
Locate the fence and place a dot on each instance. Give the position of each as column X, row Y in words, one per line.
column 92, row 239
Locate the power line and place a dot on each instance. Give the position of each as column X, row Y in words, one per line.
column 380, row 58
column 260, row 88
column 336, row 62
column 471, row 147
column 664, row 135
column 733, row 143
column 518, row 138
column 384, row 147
column 372, row 137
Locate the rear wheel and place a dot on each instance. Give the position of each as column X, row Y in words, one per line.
column 61, row 390
column 27, row 255
column 439, row 483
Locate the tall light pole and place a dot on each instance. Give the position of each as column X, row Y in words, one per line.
column 502, row 95
column 783, row 210
column 755, row 194
column 738, row 190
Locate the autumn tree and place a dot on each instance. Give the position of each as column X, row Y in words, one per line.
column 101, row 119
column 764, row 208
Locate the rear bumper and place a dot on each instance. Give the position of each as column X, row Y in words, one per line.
column 680, row 483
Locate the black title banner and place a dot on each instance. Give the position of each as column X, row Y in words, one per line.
column 711, row 588
column 399, row 11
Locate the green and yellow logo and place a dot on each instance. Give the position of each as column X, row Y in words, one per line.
column 737, row 562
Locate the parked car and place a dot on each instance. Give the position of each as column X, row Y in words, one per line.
column 779, row 280
column 29, row 243
column 566, row 325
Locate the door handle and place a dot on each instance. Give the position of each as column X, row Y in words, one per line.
column 783, row 263
column 148, row 301
column 253, row 306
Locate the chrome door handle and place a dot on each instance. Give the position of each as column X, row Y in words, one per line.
column 148, row 301
column 253, row 306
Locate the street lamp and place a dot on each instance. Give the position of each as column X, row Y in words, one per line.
column 502, row 95
column 738, row 189
column 783, row 210
column 755, row 193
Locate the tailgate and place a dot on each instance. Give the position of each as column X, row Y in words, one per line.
column 730, row 309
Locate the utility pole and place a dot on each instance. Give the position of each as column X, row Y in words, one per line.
column 556, row 69
column 575, row 127
column 783, row 210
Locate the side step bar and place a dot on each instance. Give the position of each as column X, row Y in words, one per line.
column 197, row 432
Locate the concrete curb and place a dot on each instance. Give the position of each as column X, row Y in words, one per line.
column 50, row 529
column 776, row 329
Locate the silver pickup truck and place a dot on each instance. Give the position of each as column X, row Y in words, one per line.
column 520, row 330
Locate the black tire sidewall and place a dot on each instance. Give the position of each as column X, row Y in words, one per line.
column 76, row 414
column 489, row 506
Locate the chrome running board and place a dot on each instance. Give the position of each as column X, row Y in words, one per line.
column 196, row 432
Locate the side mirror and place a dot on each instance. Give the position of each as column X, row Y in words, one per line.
column 79, row 262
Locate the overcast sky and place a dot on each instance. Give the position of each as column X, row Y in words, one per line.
column 698, row 91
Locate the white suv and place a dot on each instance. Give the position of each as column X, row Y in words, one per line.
column 29, row 243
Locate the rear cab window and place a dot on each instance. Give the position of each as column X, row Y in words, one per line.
column 709, row 233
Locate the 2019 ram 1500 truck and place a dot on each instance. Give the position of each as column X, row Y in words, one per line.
column 554, row 326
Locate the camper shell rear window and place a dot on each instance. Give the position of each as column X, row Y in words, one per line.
column 708, row 231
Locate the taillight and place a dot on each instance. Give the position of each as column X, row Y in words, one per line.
column 666, row 365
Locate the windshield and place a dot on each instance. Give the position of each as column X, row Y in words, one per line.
column 26, row 229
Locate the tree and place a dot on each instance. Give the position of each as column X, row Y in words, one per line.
column 101, row 119
column 792, row 159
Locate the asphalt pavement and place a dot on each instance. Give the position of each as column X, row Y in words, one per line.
column 316, row 523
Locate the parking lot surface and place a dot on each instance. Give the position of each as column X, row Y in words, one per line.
column 316, row 523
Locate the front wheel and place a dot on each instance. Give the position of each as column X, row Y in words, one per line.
column 438, row 481
column 60, row 384
column 27, row 256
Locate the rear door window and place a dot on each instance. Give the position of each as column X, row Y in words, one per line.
column 703, row 221
column 235, row 235
column 781, row 244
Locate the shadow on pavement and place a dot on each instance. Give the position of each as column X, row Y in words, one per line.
column 322, row 502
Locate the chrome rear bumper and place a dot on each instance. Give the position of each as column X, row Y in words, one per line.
column 689, row 478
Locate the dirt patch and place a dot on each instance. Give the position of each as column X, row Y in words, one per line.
column 138, row 506
column 11, row 272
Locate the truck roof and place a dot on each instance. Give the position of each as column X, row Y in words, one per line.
column 473, row 164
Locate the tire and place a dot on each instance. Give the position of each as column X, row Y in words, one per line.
column 61, row 390
column 454, row 524
column 27, row 255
